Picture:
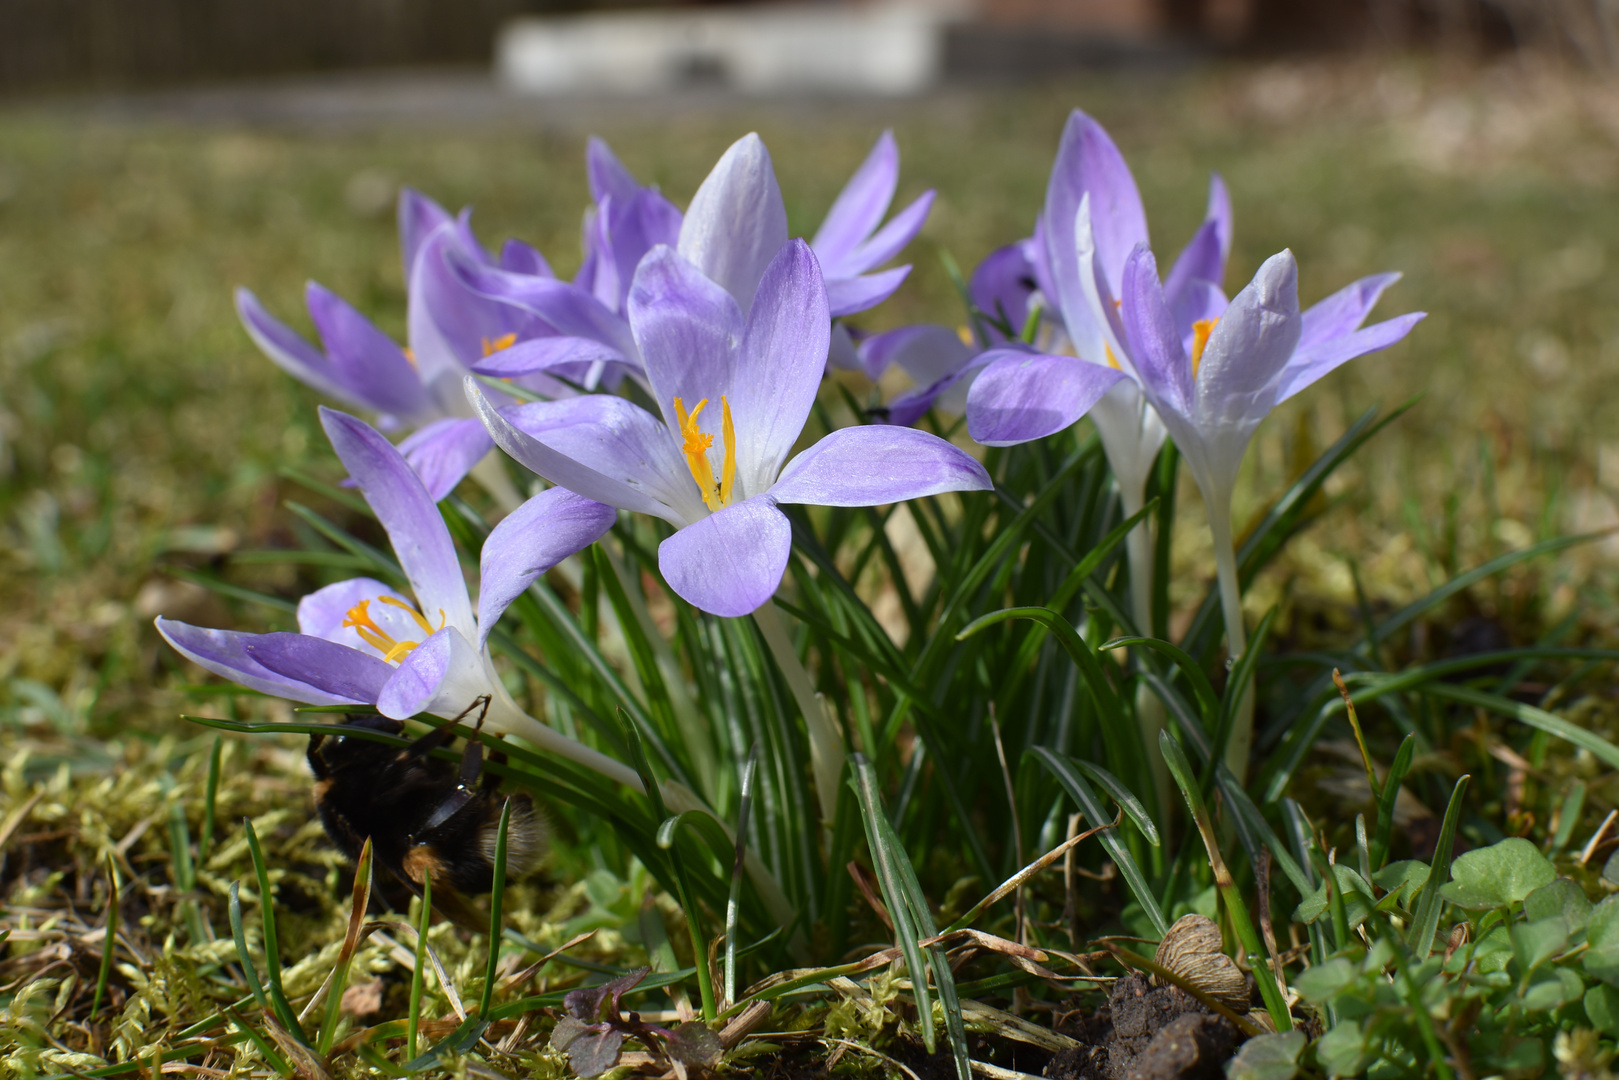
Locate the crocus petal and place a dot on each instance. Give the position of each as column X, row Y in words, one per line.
column 364, row 358
column 850, row 296
column 529, row 541
column 517, row 257
column 949, row 393
column 1249, row 346
column 1022, row 395
column 778, row 371
column 1343, row 311
column 1199, row 301
column 290, row 352
column 443, row 675
column 843, row 354
column 1154, row 341
column 891, row 238
column 323, row 612
column 878, row 464
column 1001, row 287
column 926, row 352
column 736, row 222
column 451, row 325
column 1199, row 261
column 418, row 534
column 224, row 652
column 545, row 354
column 1219, row 212
column 860, row 206
column 624, row 492
column 730, row 562
column 686, row 327
column 608, row 176
column 564, row 306
column 1088, row 163
column 419, row 216
column 327, row 666
column 1309, row 365
column 445, row 451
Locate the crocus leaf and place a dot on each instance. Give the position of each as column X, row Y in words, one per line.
column 1497, row 876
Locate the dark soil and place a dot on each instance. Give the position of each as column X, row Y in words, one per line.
column 1147, row 1033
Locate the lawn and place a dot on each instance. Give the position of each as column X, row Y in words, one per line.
column 141, row 432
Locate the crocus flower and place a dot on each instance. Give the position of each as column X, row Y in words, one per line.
column 361, row 642
column 736, row 224
column 1249, row 358
column 734, row 391
column 449, row 328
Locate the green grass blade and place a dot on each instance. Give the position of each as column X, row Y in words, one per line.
column 249, row 972
column 111, row 940
column 1074, row 784
column 497, row 899
column 1425, row 920
column 417, row 974
column 1122, row 795
column 359, row 901
column 738, row 871
column 1385, row 803
column 272, row 950
column 1530, row 715
column 210, row 798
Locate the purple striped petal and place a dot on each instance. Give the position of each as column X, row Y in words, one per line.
column 949, row 393
column 517, row 257
column 442, row 676
column 608, row 176
column 623, row 491
column 363, row 358
column 1199, row 301
column 850, row 296
column 1309, row 365
column 1154, row 341
column 736, row 222
column 731, row 562
column 1199, row 261
column 1249, row 346
column 926, row 352
column 892, row 238
column 686, row 327
column 323, row 612
column 1022, row 395
column 778, row 372
column 224, row 652
column 1219, row 212
column 860, row 206
column 875, row 465
column 545, row 354
column 406, row 511
column 419, row 216
column 567, row 308
column 291, row 353
column 529, row 541
column 1342, row 313
column 1001, row 287
column 445, row 451
column 1088, row 163
column 327, row 666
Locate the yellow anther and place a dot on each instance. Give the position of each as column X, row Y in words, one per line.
column 359, row 617
column 505, row 341
column 410, row 355
column 696, row 443
column 965, row 334
column 400, row 650
column 1112, row 361
column 1201, row 329
column 421, row 620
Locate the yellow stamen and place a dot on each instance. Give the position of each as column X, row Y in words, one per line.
column 1201, row 329
column 1112, row 361
column 728, row 468
column 359, row 617
column 965, row 334
column 696, row 443
column 421, row 620
column 505, row 341
column 410, row 355
column 400, row 650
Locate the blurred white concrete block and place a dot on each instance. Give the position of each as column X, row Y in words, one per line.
column 889, row 48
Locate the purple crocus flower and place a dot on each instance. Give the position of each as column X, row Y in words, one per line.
column 361, row 642
column 1250, row 357
column 449, row 328
column 736, row 224
column 734, row 391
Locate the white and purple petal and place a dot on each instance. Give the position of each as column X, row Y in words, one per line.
column 1022, row 395
column 736, row 222
column 1154, row 341
column 363, row 358
column 731, row 562
column 687, row 329
column 327, row 666
column 1308, row 365
column 224, row 652
column 859, row 207
column 1249, row 347
column 442, row 676
column 875, row 465
column 323, row 612
column 443, row 452
column 531, row 540
column 291, row 353
column 850, row 296
column 1342, row 313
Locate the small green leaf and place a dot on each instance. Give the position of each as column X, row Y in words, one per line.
column 1357, row 899
column 1562, row 897
column 1602, row 1008
column 1402, row 881
column 1497, row 876
column 1602, row 932
column 1321, row 983
column 1342, row 1051
column 1268, row 1057
column 1533, row 943
column 1553, row 990
column 1610, row 869
column 1493, row 952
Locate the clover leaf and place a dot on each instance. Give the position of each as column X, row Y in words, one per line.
column 1497, row 876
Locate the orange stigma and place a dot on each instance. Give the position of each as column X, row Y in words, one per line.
column 695, row 445
column 359, row 617
column 1201, row 329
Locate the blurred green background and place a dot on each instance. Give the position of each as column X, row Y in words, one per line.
column 139, row 426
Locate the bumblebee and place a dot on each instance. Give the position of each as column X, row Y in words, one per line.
column 423, row 815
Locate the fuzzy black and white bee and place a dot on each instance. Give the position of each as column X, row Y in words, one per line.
column 423, row 815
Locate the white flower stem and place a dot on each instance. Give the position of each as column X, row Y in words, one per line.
column 826, row 741
column 1225, row 563
column 1138, row 548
